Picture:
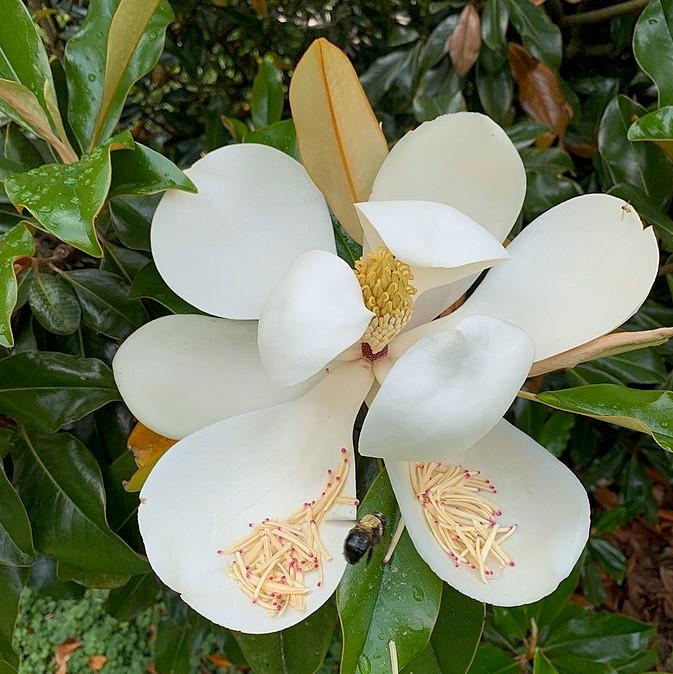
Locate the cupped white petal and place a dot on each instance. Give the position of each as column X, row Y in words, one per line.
column 536, row 492
column 204, row 492
column 223, row 249
column 439, row 242
column 314, row 313
column 464, row 160
column 447, row 391
column 180, row 373
column 575, row 273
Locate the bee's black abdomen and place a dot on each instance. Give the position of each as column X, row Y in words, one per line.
column 356, row 544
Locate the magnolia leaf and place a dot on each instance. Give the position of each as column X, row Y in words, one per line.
column 21, row 105
column 340, row 140
column 17, row 242
column 540, row 93
column 16, row 537
column 280, row 135
column 267, row 100
column 118, row 43
column 145, row 171
column 139, row 594
column 465, row 41
column 643, row 166
column 380, row 603
column 656, row 126
column 66, row 199
column 106, row 305
column 148, row 284
column 12, row 581
column 649, row 412
column 54, row 304
column 539, row 34
column 300, row 649
column 147, row 447
column 602, row 347
column 24, row 60
column 49, row 390
column 653, row 46
column 61, row 485
column 541, row 664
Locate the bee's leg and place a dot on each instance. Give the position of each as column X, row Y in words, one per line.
column 370, row 552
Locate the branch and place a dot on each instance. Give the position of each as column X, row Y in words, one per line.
column 605, row 13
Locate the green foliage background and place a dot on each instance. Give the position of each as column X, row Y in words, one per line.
column 222, row 77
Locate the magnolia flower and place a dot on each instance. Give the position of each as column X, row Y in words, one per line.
column 263, row 394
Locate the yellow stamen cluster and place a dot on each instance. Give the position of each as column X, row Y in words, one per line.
column 460, row 518
column 387, row 291
column 271, row 563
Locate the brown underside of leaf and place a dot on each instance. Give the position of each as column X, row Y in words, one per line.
column 465, row 41
column 147, row 447
column 340, row 140
column 602, row 347
column 539, row 90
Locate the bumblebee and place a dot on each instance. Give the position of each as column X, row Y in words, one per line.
column 364, row 537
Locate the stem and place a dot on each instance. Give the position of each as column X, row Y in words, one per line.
column 605, row 13
column 395, row 540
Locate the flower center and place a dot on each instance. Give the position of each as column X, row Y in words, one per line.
column 460, row 518
column 271, row 563
column 388, row 293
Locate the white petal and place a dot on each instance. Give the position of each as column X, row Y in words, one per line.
column 203, row 493
column 180, row 373
column 313, row 314
column 223, row 249
column 447, row 391
column 440, row 243
column 464, row 160
column 536, row 492
column 575, row 273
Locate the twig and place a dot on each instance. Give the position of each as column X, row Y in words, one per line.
column 604, row 13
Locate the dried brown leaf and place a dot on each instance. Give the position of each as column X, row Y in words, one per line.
column 539, row 90
column 220, row 661
column 465, row 41
column 62, row 654
column 97, row 662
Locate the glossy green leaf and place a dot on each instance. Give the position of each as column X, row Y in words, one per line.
column 105, row 580
column 649, row 412
column 653, row 46
column 54, row 304
column 106, row 305
column 642, row 165
column 492, row 660
column 525, row 133
column 65, row 199
column 16, row 537
column 43, row 580
column 118, row 43
column 11, row 583
column 62, row 488
column 555, row 433
column 122, row 261
column 435, row 47
column 17, row 242
column 538, row 33
column 655, row 125
column 599, row 638
column 49, row 390
column 280, row 135
column 148, row 284
column 457, row 631
column 179, row 634
column 145, row 171
column 541, row 664
column 644, row 366
column 377, row 604
column 140, row 593
column 300, row 649
column 132, row 218
column 22, row 54
column 425, row 663
column 643, row 204
column 544, row 191
column 20, row 150
column 496, row 91
column 21, row 105
column 494, row 22
column 267, row 100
